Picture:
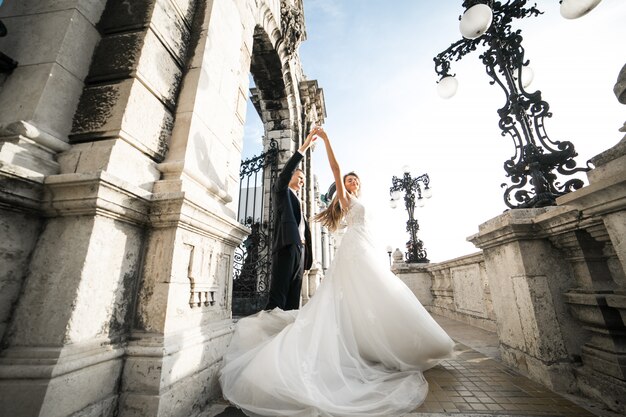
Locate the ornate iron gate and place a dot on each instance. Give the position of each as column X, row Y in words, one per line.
column 253, row 260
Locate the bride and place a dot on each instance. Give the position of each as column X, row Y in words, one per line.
column 357, row 348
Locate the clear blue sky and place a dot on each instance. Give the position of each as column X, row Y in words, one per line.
column 375, row 64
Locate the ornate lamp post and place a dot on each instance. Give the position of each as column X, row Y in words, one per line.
column 488, row 23
column 413, row 194
column 389, row 251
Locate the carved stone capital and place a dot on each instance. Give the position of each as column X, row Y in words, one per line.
column 292, row 22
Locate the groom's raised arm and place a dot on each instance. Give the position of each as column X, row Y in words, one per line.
column 287, row 172
column 290, row 167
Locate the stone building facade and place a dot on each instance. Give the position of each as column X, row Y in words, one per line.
column 120, row 142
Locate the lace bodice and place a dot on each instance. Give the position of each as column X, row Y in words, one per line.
column 356, row 214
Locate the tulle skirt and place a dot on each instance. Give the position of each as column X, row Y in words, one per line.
column 357, row 348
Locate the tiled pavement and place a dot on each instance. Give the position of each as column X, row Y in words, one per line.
column 475, row 384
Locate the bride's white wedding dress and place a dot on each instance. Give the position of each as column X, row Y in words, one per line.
column 357, row 348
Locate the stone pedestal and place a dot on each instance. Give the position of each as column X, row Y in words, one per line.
column 528, row 277
column 558, row 284
column 183, row 325
column 599, row 301
column 416, row 277
column 71, row 320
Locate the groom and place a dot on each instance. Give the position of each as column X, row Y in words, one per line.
column 291, row 251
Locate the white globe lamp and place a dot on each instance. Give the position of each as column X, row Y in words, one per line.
column 475, row 21
column 573, row 9
column 447, row 86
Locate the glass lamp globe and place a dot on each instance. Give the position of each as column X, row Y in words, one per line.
column 447, row 86
column 389, row 248
column 527, row 76
column 573, row 9
column 475, row 21
column 420, row 202
column 393, row 204
column 406, row 169
column 428, row 192
column 395, row 195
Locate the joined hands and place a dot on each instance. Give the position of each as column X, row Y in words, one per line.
column 316, row 132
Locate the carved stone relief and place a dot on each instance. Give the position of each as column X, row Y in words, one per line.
column 202, row 272
column 292, row 21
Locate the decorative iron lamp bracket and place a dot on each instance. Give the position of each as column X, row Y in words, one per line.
column 532, row 180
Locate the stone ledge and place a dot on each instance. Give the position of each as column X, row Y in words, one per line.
column 511, row 226
column 30, row 131
column 98, row 193
column 48, row 362
column 473, row 258
column 174, row 172
column 151, row 344
column 604, row 196
column 66, row 395
column 20, row 189
column 184, row 211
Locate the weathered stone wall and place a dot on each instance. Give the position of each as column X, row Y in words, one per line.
column 120, row 143
column 458, row 289
column 38, row 100
column 15, row 248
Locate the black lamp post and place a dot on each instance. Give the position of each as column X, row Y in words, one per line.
column 487, row 22
column 389, row 251
column 413, row 193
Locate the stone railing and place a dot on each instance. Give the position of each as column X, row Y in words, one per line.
column 551, row 282
column 458, row 289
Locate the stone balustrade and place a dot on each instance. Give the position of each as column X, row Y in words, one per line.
column 551, row 282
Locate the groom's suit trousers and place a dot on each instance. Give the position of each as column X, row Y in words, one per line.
column 287, row 268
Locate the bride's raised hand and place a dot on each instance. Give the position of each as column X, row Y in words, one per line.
column 319, row 131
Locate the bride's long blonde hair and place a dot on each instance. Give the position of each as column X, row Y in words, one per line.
column 332, row 215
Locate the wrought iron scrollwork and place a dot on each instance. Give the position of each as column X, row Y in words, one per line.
column 531, row 168
column 252, row 259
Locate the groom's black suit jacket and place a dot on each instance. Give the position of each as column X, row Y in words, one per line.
column 289, row 212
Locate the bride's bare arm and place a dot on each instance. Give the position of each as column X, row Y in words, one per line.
column 334, row 166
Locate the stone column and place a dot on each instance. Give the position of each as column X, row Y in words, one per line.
column 313, row 107
column 527, row 278
column 599, row 258
column 183, row 323
column 38, row 99
column 55, row 345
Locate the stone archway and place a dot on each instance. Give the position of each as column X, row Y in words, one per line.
column 147, row 188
